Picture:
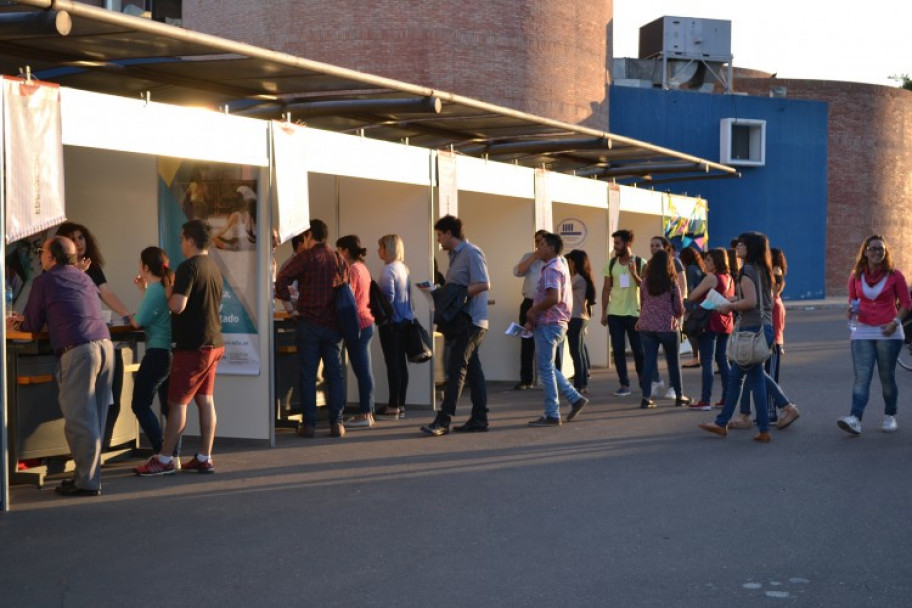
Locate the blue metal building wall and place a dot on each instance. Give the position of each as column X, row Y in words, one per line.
column 786, row 198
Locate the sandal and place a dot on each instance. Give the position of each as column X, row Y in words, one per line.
column 389, row 412
column 691, row 364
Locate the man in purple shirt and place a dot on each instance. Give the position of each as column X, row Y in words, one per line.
column 66, row 299
column 547, row 319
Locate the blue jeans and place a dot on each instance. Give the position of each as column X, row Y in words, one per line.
column 775, row 398
column 152, row 378
column 670, row 341
column 753, row 379
column 315, row 343
column 549, row 338
column 463, row 365
column 713, row 347
column 576, row 339
column 864, row 354
column 618, row 328
column 360, row 357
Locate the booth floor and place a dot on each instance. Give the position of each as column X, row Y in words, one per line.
column 624, row 507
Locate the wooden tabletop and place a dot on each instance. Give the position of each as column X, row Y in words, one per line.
column 34, row 336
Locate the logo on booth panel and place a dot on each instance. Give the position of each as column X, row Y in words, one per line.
column 573, row 231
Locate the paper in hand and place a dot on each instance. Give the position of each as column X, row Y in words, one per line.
column 518, row 330
column 713, row 300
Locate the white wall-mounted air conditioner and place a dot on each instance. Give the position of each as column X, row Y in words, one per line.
column 743, row 142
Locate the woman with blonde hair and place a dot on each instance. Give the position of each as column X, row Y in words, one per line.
column 394, row 283
column 879, row 301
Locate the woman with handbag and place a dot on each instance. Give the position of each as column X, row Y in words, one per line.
column 694, row 272
column 359, row 351
column 752, row 338
column 879, row 301
column 661, row 309
column 713, row 340
column 583, row 301
column 394, row 283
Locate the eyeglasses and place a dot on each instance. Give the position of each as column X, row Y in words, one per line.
column 876, row 249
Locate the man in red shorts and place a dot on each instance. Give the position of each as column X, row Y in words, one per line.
column 196, row 331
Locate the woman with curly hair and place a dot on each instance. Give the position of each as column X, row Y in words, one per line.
column 91, row 261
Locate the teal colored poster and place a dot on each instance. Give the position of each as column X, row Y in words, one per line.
column 225, row 197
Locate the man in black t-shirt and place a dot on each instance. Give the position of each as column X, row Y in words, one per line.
column 196, row 331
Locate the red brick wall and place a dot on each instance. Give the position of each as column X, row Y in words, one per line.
column 547, row 57
column 869, row 168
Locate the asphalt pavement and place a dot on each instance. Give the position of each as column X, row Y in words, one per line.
column 623, row 507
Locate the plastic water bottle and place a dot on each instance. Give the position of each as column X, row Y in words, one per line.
column 854, row 305
column 9, row 299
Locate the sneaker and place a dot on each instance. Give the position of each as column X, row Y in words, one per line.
column 622, row 391
column 360, row 422
column 700, row 406
column 763, row 437
column 715, row 429
column 889, row 424
column 543, row 421
column 436, row 429
column 576, row 408
column 522, row 386
column 195, row 464
column 670, row 393
column 742, row 422
column 850, row 424
column 647, row 404
column 657, row 387
column 788, row 415
column 155, row 468
column 683, row 400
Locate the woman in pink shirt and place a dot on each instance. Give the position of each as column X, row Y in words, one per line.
column 359, row 352
column 879, row 295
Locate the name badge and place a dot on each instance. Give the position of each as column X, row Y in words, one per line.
column 625, row 281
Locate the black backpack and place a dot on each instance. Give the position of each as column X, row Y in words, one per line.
column 379, row 306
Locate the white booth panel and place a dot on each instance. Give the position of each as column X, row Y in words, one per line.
column 132, row 125
column 371, row 209
column 477, row 175
column 354, row 156
column 115, row 194
column 578, row 191
column 639, row 200
column 596, row 244
column 504, row 228
column 644, row 226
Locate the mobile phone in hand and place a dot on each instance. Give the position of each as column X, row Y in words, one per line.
column 424, row 284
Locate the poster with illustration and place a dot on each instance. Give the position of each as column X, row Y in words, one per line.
column 685, row 221
column 225, row 196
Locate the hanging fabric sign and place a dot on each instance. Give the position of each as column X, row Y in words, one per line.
column 447, row 189
column 544, row 217
column 290, row 176
column 33, row 148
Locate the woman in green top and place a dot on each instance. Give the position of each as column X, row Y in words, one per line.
column 155, row 278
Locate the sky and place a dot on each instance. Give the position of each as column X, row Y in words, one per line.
column 865, row 41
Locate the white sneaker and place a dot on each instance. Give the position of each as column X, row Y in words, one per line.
column 889, row 424
column 671, row 394
column 850, row 424
column 657, row 386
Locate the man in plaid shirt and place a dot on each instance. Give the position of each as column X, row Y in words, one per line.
column 547, row 319
column 318, row 270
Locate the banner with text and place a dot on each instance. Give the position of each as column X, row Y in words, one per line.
column 447, row 188
column 225, row 196
column 33, row 149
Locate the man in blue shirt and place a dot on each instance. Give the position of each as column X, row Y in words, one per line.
column 66, row 299
column 468, row 269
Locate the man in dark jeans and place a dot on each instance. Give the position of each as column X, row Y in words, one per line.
column 469, row 271
column 318, row 270
column 621, row 306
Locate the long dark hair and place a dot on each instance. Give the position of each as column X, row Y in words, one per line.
column 582, row 267
column 92, row 251
column 777, row 257
column 720, row 260
column 758, row 254
column 660, row 273
column 352, row 244
column 156, row 260
column 690, row 256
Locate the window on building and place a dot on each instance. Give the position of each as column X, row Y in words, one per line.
column 743, row 142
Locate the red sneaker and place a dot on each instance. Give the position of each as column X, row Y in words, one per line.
column 195, row 464
column 701, row 406
column 155, row 468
